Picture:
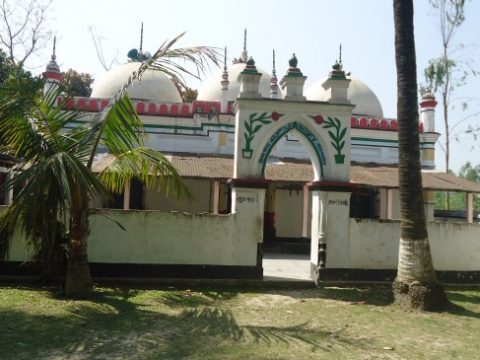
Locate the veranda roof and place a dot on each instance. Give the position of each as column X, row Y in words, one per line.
column 217, row 167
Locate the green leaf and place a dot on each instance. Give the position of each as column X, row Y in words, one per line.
column 332, row 136
column 256, row 128
column 342, row 144
column 247, row 127
column 342, row 133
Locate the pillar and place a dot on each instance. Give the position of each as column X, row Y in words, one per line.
column 305, row 212
column 389, row 204
column 215, row 196
column 330, row 227
column 248, row 204
column 469, row 203
column 126, row 196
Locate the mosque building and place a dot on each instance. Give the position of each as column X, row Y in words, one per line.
column 199, row 139
column 300, row 164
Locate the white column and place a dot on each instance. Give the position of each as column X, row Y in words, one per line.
column 215, row 196
column 126, row 197
column 319, row 233
column 469, row 201
column 305, row 213
column 389, row 200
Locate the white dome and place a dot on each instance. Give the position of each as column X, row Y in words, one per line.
column 211, row 89
column 154, row 85
column 365, row 101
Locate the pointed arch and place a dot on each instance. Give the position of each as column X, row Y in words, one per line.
column 320, row 159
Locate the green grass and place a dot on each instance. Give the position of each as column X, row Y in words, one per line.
column 324, row 323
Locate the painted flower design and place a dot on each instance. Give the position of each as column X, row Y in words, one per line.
column 275, row 116
column 319, row 119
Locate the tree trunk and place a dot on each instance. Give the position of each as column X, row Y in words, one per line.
column 416, row 286
column 78, row 281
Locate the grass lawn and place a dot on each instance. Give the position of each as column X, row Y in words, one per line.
column 208, row 323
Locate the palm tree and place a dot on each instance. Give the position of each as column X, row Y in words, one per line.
column 55, row 168
column 416, row 285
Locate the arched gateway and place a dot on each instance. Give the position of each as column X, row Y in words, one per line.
column 323, row 128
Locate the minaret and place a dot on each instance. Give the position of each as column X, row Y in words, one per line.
column 52, row 74
column 427, row 112
column 274, row 80
column 224, row 83
column 429, row 136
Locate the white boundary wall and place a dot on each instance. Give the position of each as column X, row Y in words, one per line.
column 373, row 244
column 155, row 237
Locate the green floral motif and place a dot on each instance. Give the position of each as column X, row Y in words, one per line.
column 252, row 126
column 337, row 135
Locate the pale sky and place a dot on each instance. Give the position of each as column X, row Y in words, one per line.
column 313, row 29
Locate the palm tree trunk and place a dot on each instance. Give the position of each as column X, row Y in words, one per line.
column 78, row 281
column 416, row 285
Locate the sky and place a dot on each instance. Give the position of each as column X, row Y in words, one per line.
column 312, row 29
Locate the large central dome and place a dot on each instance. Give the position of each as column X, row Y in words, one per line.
column 365, row 101
column 154, row 85
column 212, row 89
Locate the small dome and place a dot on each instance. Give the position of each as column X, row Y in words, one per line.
column 365, row 101
column 211, row 89
column 154, row 85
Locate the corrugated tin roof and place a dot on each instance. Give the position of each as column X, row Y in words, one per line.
column 289, row 170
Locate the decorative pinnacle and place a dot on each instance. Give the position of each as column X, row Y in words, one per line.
column 293, row 62
column 225, row 59
column 225, row 81
column 244, row 56
column 52, row 65
column 54, row 56
column 273, row 80
column 340, row 55
column 250, row 61
column 141, row 38
column 274, row 70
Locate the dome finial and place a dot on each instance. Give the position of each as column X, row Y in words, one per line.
column 52, row 65
column 293, row 62
column 225, row 81
column 225, row 59
column 274, row 70
column 141, row 38
column 273, row 79
column 340, row 55
column 244, row 56
column 54, row 56
column 337, row 68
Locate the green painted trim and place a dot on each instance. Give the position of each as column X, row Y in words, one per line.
column 277, row 135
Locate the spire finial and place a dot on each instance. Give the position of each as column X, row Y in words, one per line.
column 340, row 55
column 245, row 40
column 244, row 56
column 225, row 59
column 225, row 81
column 52, row 65
column 273, row 79
column 54, row 56
column 274, row 70
column 141, row 38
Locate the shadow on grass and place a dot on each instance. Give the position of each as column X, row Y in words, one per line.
column 459, row 303
column 113, row 323
column 188, row 298
column 377, row 295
